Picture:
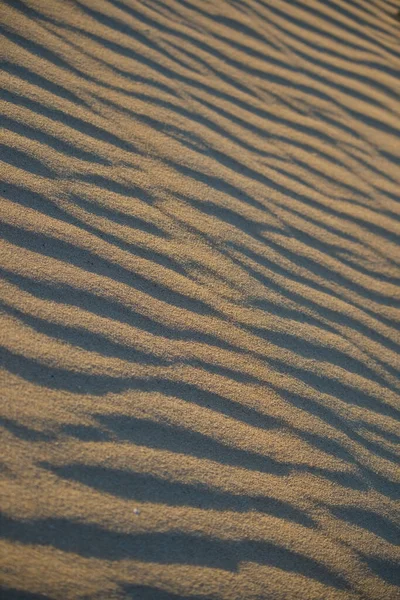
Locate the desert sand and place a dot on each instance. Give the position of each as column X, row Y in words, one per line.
column 200, row 299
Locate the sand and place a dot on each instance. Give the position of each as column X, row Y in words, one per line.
column 200, row 300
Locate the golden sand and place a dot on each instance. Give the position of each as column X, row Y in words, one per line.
column 200, row 300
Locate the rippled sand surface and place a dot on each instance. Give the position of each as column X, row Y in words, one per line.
column 200, row 300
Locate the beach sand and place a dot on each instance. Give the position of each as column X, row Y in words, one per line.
column 200, row 300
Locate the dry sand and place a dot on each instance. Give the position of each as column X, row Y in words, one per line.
column 200, row 299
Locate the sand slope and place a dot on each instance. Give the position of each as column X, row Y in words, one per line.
column 200, row 299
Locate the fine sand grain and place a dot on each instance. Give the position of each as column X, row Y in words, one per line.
column 200, row 299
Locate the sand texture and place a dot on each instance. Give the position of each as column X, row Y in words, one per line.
column 200, row 299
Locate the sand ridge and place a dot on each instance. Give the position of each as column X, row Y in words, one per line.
column 200, row 299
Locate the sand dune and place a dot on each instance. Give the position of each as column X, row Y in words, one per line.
column 200, row 300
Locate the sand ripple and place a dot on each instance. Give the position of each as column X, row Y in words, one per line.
column 200, row 300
